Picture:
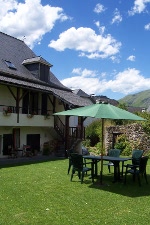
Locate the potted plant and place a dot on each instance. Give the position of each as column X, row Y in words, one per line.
column 7, row 111
column 47, row 116
column 30, row 115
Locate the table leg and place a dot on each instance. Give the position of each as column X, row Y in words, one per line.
column 95, row 167
column 122, row 169
column 116, row 171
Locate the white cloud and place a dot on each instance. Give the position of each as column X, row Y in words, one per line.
column 139, row 6
column 147, row 26
column 115, row 59
column 129, row 81
column 85, row 72
column 7, row 5
column 117, row 17
column 101, row 28
column 99, row 8
column 24, row 19
column 87, row 42
column 131, row 58
column 125, row 82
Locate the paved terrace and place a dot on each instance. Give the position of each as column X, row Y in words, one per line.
column 28, row 160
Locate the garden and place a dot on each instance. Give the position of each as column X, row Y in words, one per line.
column 42, row 193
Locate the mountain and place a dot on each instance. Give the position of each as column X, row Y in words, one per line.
column 141, row 99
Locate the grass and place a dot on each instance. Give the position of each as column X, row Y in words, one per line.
column 42, row 194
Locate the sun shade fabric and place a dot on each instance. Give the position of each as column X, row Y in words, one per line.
column 101, row 110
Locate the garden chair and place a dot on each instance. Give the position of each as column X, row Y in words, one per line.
column 112, row 153
column 137, row 170
column 78, row 166
column 69, row 152
column 136, row 156
column 70, row 163
column 27, row 151
column 12, row 153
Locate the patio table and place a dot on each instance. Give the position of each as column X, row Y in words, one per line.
column 116, row 161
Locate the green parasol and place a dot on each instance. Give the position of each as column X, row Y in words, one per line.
column 101, row 111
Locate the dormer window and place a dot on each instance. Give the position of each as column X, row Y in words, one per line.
column 10, row 65
column 39, row 67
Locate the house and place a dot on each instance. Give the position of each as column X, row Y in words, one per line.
column 94, row 99
column 133, row 109
column 29, row 95
column 103, row 98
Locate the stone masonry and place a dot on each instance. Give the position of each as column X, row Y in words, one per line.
column 134, row 133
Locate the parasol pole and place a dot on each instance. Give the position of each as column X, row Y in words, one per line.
column 101, row 170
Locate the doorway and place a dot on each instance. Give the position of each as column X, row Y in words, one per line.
column 7, row 141
column 34, row 141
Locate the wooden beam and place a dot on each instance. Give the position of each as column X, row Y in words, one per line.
column 11, row 92
column 17, row 103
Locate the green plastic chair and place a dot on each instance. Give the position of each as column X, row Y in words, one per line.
column 78, row 166
column 69, row 152
column 137, row 170
column 112, row 153
column 136, row 156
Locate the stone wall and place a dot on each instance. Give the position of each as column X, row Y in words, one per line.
column 134, row 133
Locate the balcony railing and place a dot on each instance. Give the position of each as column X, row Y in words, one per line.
column 23, row 110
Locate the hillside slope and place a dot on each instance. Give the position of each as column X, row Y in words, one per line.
column 141, row 99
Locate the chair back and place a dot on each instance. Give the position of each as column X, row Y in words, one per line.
column 69, row 152
column 114, row 152
column 77, row 161
column 143, row 164
column 136, row 156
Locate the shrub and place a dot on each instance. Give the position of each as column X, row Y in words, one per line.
column 121, row 142
column 93, row 132
column 94, row 150
column 124, row 145
column 86, row 142
column 145, row 124
column 128, row 150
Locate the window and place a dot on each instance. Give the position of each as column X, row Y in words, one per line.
column 10, row 65
column 30, row 103
column 44, row 104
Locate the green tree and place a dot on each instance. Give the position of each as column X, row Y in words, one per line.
column 121, row 122
column 146, row 123
column 123, row 144
column 93, row 132
column 122, row 106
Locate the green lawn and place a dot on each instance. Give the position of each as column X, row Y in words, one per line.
column 42, row 194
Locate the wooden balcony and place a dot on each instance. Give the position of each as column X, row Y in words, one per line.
column 10, row 117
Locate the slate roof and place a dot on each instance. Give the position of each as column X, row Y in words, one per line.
column 36, row 59
column 18, row 53
column 81, row 93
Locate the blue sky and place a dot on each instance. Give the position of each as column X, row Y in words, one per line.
column 101, row 47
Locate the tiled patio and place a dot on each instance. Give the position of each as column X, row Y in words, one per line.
column 28, row 160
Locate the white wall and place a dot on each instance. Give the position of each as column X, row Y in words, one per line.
column 6, row 97
column 45, row 135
